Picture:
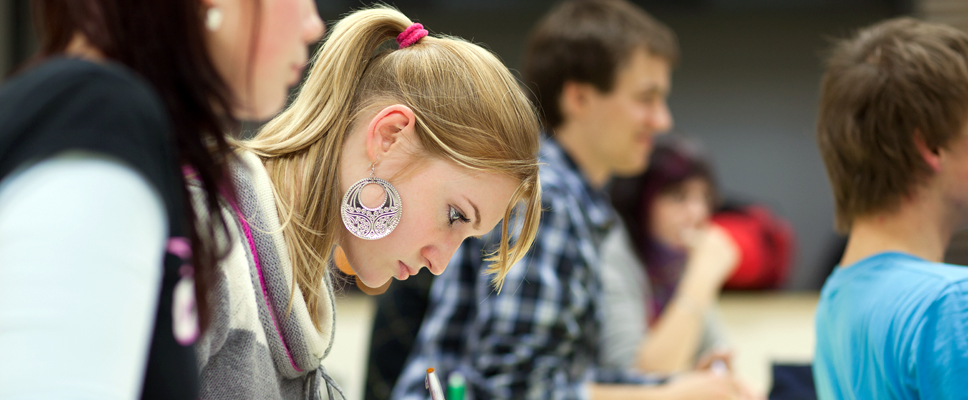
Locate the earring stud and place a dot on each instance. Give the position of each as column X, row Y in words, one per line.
column 213, row 19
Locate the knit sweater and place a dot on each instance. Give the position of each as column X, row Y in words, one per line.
column 254, row 348
column 627, row 294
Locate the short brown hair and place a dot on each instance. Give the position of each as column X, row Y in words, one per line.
column 586, row 41
column 894, row 81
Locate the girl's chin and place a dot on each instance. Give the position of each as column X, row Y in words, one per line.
column 373, row 291
column 676, row 246
column 371, row 282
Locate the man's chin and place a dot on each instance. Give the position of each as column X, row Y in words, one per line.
column 630, row 170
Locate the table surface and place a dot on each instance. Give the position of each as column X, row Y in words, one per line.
column 767, row 327
column 762, row 327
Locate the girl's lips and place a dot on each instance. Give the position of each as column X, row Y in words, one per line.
column 402, row 272
column 405, row 271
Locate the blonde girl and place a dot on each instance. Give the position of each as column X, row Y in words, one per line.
column 395, row 153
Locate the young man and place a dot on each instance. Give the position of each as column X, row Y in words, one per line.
column 600, row 71
column 893, row 130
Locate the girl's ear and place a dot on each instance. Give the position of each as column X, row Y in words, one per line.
column 391, row 129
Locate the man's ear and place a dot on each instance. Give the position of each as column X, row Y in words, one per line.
column 390, row 129
column 930, row 156
column 574, row 98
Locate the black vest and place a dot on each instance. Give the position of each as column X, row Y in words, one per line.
column 69, row 104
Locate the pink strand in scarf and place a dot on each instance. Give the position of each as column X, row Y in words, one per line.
column 411, row 35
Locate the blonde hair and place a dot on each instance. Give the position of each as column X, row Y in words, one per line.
column 468, row 109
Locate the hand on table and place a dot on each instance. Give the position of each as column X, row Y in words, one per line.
column 718, row 361
column 707, row 385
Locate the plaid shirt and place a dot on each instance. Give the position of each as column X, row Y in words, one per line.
column 539, row 338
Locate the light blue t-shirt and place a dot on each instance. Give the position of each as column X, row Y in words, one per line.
column 893, row 326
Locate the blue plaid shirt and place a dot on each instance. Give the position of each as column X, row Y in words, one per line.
column 539, row 338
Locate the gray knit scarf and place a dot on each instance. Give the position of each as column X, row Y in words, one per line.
column 255, row 348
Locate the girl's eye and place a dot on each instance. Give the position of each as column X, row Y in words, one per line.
column 456, row 216
column 678, row 196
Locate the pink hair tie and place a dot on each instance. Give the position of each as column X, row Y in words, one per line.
column 411, row 35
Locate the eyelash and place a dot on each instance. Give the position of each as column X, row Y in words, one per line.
column 455, row 215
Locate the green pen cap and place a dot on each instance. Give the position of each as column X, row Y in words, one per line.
column 455, row 386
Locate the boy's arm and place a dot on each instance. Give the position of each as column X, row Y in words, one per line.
column 941, row 362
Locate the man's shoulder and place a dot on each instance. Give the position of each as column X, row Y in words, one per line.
column 892, row 287
column 553, row 180
column 912, row 270
column 949, row 273
column 903, row 268
column 561, row 189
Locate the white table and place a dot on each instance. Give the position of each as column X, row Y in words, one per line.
column 762, row 327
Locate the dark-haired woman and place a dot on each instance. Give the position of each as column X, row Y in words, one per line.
column 664, row 274
column 100, row 252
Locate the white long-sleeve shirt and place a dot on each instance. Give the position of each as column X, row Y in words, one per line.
column 81, row 243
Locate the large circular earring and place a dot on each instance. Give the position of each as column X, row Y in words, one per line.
column 213, row 19
column 371, row 223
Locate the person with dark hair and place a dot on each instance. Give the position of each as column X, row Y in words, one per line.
column 663, row 267
column 600, row 72
column 105, row 266
column 892, row 321
column 678, row 245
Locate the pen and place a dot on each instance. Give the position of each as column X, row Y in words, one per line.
column 432, row 383
column 455, row 386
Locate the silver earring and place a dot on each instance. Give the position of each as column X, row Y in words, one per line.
column 213, row 19
column 371, row 223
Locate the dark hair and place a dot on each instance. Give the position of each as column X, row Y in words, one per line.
column 587, row 41
column 163, row 41
column 893, row 82
column 674, row 161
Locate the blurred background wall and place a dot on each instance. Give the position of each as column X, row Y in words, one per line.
column 747, row 85
column 6, row 36
column 17, row 41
